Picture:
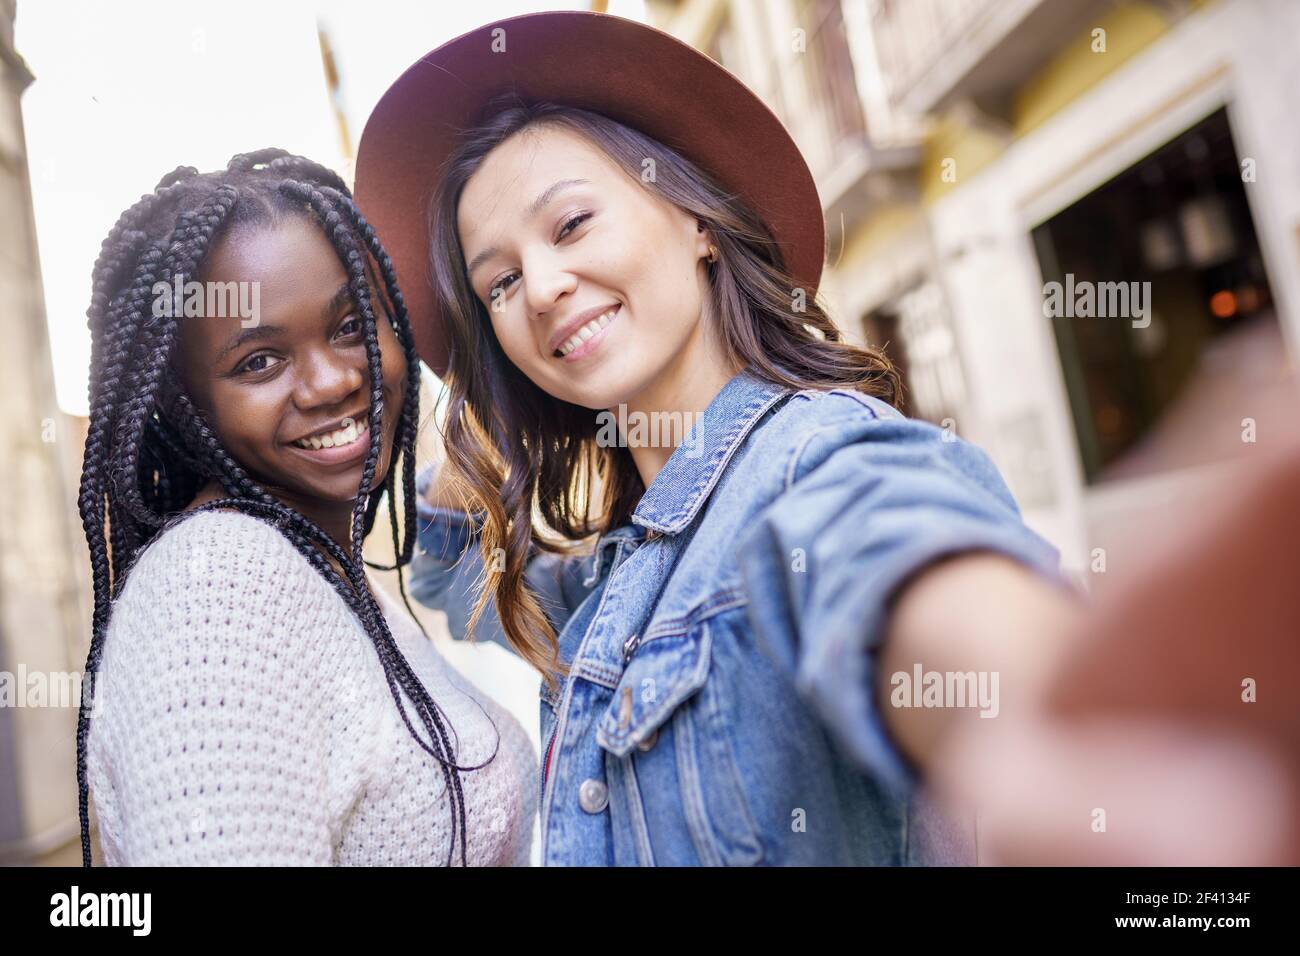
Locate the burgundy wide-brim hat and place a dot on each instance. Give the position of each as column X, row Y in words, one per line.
column 632, row 73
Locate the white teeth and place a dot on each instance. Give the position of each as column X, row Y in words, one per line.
column 587, row 331
column 334, row 439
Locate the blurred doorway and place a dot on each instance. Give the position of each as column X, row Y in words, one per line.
column 1180, row 389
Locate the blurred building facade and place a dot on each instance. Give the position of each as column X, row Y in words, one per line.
column 44, row 617
column 969, row 153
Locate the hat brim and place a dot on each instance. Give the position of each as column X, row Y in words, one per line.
column 630, row 72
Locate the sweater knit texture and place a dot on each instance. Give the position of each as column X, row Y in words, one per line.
column 242, row 716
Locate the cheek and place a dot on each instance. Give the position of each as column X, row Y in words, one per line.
column 618, row 259
column 514, row 334
column 239, row 417
column 516, row 339
column 665, row 302
column 394, row 366
column 664, row 284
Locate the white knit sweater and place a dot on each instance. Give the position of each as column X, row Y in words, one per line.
column 243, row 717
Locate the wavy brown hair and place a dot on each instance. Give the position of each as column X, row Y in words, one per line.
column 530, row 462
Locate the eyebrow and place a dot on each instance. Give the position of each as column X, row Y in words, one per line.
column 537, row 206
column 259, row 332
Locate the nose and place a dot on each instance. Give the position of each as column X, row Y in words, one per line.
column 327, row 377
column 546, row 281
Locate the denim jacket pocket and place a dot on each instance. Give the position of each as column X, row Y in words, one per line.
column 663, row 672
column 667, row 696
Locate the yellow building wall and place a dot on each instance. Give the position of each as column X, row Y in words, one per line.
column 880, row 228
column 1077, row 68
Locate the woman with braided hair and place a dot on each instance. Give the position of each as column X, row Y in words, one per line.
column 255, row 699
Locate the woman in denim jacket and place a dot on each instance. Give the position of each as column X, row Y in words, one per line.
column 677, row 492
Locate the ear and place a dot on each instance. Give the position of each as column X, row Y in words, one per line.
column 703, row 239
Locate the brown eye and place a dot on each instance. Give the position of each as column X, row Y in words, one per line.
column 572, row 223
column 501, row 285
column 252, row 364
column 351, row 327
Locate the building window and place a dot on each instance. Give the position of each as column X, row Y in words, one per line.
column 1196, row 346
column 916, row 334
column 830, row 67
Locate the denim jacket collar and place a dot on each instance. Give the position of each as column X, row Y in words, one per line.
column 683, row 485
column 685, row 482
column 605, row 545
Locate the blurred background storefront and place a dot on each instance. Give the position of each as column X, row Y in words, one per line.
column 968, row 153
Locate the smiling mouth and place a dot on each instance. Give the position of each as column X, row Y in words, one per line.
column 345, row 453
column 585, row 334
column 339, row 438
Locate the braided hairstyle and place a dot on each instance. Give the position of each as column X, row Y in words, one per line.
column 149, row 449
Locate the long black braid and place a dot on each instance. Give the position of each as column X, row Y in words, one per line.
column 149, row 449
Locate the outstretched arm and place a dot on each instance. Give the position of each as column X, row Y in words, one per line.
column 975, row 613
column 1161, row 727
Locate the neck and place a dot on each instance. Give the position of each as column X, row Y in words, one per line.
column 333, row 518
column 692, row 380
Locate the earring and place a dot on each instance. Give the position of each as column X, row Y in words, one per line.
column 713, row 254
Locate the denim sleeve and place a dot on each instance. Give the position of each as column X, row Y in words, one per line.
column 867, row 504
column 447, row 569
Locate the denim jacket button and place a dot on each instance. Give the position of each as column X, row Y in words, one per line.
column 649, row 742
column 593, row 796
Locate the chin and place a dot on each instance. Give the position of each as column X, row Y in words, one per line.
column 339, row 488
column 337, row 493
column 606, row 387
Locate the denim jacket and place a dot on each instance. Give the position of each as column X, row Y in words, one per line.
column 719, row 707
